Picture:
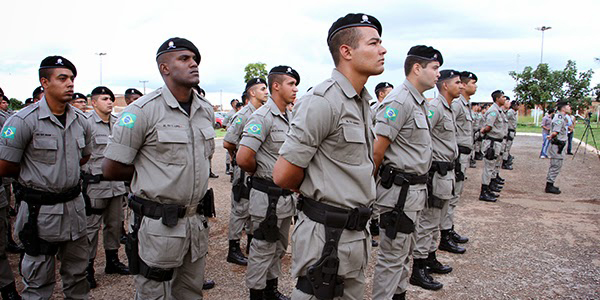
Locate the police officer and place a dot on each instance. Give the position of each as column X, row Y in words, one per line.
column 104, row 199
column 38, row 93
column 43, row 146
column 382, row 89
column 493, row 134
column 477, row 137
column 160, row 142
column 271, row 207
column 498, row 183
column 257, row 94
column 226, row 123
column 558, row 140
column 79, row 101
column 328, row 157
column 132, row 94
column 511, row 116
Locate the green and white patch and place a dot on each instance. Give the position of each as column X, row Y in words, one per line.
column 9, row 132
column 493, row 114
column 127, row 120
column 391, row 113
column 254, row 128
column 238, row 120
column 430, row 113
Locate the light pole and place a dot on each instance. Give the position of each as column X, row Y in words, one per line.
column 100, row 54
column 543, row 29
column 144, row 83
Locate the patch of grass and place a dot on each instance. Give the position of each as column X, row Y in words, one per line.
column 220, row 132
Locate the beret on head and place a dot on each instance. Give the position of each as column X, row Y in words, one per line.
column 561, row 104
column 382, row 85
column 133, row 91
column 285, row 70
column 178, row 44
column 1, row 92
column 5, row 98
column 448, row 74
column 79, row 96
column 54, row 62
column 29, row 101
column 102, row 90
column 254, row 81
column 427, row 53
column 38, row 90
column 353, row 20
column 467, row 74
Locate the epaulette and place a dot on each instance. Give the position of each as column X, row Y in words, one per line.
column 23, row 113
column 400, row 97
column 262, row 111
column 147, row 98
column 322, row 87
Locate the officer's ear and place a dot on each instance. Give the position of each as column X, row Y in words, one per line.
column 345, row 52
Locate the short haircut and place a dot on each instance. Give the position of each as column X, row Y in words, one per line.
column 233, row 100
column 46, row 73
column 128, row 96
column 496, row 95
column 411, row 60
column 349, row 36
column 466, row 80
column 279, row 78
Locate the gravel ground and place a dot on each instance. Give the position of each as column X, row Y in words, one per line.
column 528, row 245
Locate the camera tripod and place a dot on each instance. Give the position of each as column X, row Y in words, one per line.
column 586, row 133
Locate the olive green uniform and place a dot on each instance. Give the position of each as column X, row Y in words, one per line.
column 170, row 151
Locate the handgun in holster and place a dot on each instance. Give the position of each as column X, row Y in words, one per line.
column 267, row 229
column 131, row 246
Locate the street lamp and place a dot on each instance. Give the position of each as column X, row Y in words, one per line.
column 100, row 55
column 144, row 83
column 543, row 29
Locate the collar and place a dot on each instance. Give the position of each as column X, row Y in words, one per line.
column 97, row 118
column 173, row 103
column 273, row 106
column 444, row 101
column 411, row 88
column 463, row 100
column 347, row 87
column 46, row 113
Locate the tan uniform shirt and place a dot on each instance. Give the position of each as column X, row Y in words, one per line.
column 559, row 124
column 100, row 133
column 511, row 115
column 236, row 127
column 402, row 119
column 48, row 154
column 443, row 131
column 464, row 122
column 495, row 119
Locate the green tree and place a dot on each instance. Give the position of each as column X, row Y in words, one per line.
column 254, row 70
column 576, row 87
column 14, row 104
column 537, row 87
column 597, row 92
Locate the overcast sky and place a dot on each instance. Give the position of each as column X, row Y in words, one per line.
column 489, row 38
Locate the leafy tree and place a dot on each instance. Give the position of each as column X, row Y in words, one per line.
column 537, row 87
column 597, row 92
column 14, row 104
column 254, row 70
column 576, row 87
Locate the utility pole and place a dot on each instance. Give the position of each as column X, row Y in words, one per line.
column 543, row 29
column 144, row 83
column 100, row 54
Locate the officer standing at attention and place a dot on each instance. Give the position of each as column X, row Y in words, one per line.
column 498, row 183
column 43, row 146
column 558, row 140
column 226, row 123
column 131, row 95
column 464, row 120
column 257, row 94
column 37, row 94
column 104, row 199
column 271, row 207
column 328, row 157
column 511, row 116
column 161, row 141
column 493, row 134
column 382, row 89
column 79, row 101
column 477, row 109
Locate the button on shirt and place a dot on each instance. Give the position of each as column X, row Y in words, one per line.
column 464, row 122
column 443, row 131
column 495, row 119
column 48, row 154
column 100, row 133
column 402, row 118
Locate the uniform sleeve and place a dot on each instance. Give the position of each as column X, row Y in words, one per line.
column 16, row 135
column 87, row 132
column 457, row 110
column 557, row 124
column 128, row 136
column 390, row 119
column 490, row 118
column 234, row 131
column 311, row 124
column 255, row 132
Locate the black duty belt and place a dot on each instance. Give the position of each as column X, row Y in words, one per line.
column 268, row 187
column 441, row 167
column 390, row 175
column 37, row 197
column 168, row 213
column 92, row 178
column 512, row 130
column 357, row 218
column 464, row 150
column 492, row 139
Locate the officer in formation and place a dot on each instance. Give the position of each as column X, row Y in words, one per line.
column 226, row 123
column 163, row 140
column 328, row 157
column 493, row 132
column 43, row 146
column 382, row 89
column 558, row 140
column 511, row 116
column 104, row 199
column 239, row 217
column 79, row 101
column 477, row 138
column 131, row 95
column 38, row 93
column 271, row 207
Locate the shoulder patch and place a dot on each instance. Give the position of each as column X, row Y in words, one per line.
column 127, row 120
column 391, row 113
column 493, row 114
column 254, row 128
column 430, row 113
column 9, row 132
column 322, row 87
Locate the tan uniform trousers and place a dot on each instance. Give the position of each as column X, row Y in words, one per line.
column 39, row 272
column 499, row 158
column 448, row 215
column 239, row 216
column 264, row 259
column 489, row 166
column 556, row 162
column 6, row 274
column 508, row 146
column 111, row 217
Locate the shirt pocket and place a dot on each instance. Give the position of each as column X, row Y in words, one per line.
column 277, row 137
column 161, row 246
column 351, row 146
column 50, row 220
column 420, row 134
column 172, row 146
column 209, row 141
column 45, row 149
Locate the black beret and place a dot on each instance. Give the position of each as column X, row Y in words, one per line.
column 448, row 74
column 178, row 44
column 1, row 91
column 382, row 85
column 53, row 62
column 79, row 96
column 102, row 90
column 132, row 91
column 29, row 101
column 286, row 71
column 5, row 98
column 244, row 96
column 507, row 98
column 497, row 92
column 467, row 74
column 353, row 20
column 239, row 104
column 427, row 53
column 254, row 81
column 38, row 90
column 560, row 104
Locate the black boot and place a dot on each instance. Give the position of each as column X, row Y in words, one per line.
column 90, row 274
column 374, row 243
column 550, row 188
column 399, row 296
column 494, row 187
column 498, row 182
column 457, row 237
column 478, row 155
column 9, row 292
column 448, row 244
column 472, row 163
column 506, row 165
column 374, row 227
column 228, row 170
column 113, row 265
column 420, row 277
column 123, row 238
column 271, row 292
column 208, row 284
column 500, row 179
column 435, row 266
column 235, row 255
column 212, row 175
column 257, row 294
column 250, row 237
column 484, row 195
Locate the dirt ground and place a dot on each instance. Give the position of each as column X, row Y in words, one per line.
column 528, row 245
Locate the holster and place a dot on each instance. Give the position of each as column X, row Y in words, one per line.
column 240, row 190
column 86, row 179
column 458, row 173
column 561, row 144
column 396, row 220
column 29, row 235
column 267, row 229
column 490, row 153
column 131, row 246
column 208, row 204
column 432, row 200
